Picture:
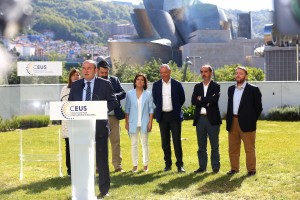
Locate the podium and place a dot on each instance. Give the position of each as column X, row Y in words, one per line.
column 81, row 116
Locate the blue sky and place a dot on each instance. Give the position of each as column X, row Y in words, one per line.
column 245, row 5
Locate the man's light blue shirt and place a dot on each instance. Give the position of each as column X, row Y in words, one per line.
column 238, row 92
column 92, row 83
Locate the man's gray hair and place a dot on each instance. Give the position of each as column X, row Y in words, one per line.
column 166, row 66
column 208, row 66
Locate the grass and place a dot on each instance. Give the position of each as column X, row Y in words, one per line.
column 278, row 167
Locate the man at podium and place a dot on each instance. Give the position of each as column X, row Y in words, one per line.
column 91, row 88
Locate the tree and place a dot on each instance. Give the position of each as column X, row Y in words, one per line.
column 126, row 73
column 12, row 76
column 70, row 19
column 227, row 73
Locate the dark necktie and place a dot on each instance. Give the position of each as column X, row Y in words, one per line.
column 88, row 92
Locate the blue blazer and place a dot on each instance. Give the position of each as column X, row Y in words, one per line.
column 178, row 99
column 131, row 108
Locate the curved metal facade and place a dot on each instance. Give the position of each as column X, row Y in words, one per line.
column 225, row 25
column 154, row 4
column 134, row 52
column 204, row 17
column 163, row 24
column 183, row 28
column 142, row 23
column 173, row 20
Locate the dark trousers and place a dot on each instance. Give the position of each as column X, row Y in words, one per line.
column 102, row 163
column 204, row 129
column 68, row 161
column 169, row 124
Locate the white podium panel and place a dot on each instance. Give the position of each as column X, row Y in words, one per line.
column 81, row 116
column 82, row 152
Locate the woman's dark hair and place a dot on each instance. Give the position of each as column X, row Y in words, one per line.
column 145, row 80
column 72, row 72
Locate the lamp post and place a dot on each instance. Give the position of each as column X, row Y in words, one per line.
column 187, row 62
column 297, row 59
column 194, row 65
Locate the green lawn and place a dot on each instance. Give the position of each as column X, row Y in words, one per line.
column 278, row 168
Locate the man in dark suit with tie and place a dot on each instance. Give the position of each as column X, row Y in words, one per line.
column 169, row 97
column 96, row 89
column 207, row 119
column 114, row 116
column 243, row 110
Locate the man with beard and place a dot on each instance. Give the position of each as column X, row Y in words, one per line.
column 207, row 119
column 114, row 116
column 243, row 109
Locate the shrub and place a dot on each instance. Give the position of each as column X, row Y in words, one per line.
column 188, row 112
column 227, row 73
column 8, row 124
column 3, row 127
column 284, row 113
column 33, row 121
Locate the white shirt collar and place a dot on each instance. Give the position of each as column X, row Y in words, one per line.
column 92, row 81
column 169, row 81
column 207, row 84
column 242, row 87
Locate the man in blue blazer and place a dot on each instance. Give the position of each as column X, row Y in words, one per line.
column 169, row 97
column 100, row 90
column 114, row 116
column 243, row 110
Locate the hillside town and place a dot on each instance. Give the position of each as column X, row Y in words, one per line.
column 37, row 47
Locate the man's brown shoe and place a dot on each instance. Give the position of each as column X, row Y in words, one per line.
column 120, row 170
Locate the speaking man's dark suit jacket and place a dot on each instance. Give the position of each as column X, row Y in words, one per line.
column 120, row 94
column 210, row 102
column 249, row 109
column 102, row 91
column 178, row 99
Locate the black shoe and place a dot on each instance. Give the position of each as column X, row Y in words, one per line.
column 252, row 173
column 180, row 169
column 215, row 171
column 69, row 173
column 102, row 196
column 167, row 169
column 199, row 171
column 232, row 172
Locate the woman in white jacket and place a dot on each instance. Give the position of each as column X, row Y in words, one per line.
column 74, row 75
column 139, row 110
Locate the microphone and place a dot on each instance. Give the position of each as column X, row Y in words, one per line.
column 83, row 85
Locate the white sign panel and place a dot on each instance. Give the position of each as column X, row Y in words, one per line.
column 78, row 110
column 39, row 68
